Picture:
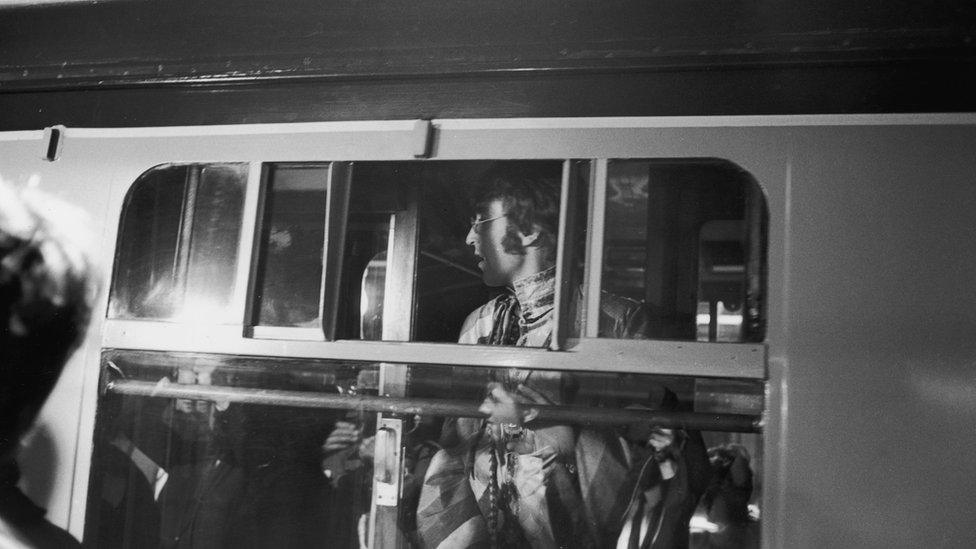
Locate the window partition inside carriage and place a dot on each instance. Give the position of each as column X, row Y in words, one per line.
column 683, row 241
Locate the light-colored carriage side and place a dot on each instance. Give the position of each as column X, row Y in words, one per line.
column 869, row 413
column 50, row 453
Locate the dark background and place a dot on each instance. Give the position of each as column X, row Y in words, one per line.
column 142, row 63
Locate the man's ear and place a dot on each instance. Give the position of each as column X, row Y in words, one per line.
column 531, row 238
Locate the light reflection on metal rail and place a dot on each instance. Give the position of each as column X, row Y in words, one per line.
column 434, row 407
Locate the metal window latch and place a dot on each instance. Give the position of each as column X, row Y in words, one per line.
column 387, row 460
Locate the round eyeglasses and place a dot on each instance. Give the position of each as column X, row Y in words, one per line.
column 475, row 222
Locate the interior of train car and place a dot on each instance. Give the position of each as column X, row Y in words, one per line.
column 757, row 221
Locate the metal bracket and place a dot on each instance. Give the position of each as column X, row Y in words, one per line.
column 423, row 138
column 54, row 142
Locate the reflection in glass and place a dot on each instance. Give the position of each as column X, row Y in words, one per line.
column 293, row 234
column 370, row 226
column 373, row 293
column 215, row 240
column 608, row 468
column 175, row 472
column 180, row 231
column 687, row 238
column 212, row 473
column 728, row 514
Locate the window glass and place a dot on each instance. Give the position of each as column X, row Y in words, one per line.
column 297, row 472
column 180, row 231
column 211, row 473
column 686, row 239
column 374, row 203
column 289, row 277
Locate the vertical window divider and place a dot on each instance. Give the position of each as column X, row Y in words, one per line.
column 337, row 208
column 593, row 272
column 258, row 251
column 401, row 258
column 399, row 300
column 242, row 303
column 565, row 258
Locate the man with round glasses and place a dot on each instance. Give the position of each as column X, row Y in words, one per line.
column 513, row 236
column 513, row 480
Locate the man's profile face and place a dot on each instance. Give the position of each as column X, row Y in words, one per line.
column 498, row 267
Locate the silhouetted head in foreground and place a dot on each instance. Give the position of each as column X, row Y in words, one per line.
column 46, row 294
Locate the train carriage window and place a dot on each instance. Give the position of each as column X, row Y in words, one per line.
column 687, row 239
column 180, row 231
column 211, row 450
column 684, row 246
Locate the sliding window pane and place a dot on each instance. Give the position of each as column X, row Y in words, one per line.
column 289, row 278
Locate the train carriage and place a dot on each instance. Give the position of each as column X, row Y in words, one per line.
column 280, row 198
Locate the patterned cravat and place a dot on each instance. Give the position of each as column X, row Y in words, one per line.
column 505, row 322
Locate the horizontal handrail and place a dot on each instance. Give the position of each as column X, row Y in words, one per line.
column 738, row 423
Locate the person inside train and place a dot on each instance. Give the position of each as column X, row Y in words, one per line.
column 726, row 501
column 514, row 480
column 46, row 293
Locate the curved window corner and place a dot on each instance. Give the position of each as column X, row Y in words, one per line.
column 687, row 239
column 180, row 231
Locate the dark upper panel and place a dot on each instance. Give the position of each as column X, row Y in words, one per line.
column 123, row 42
column 178, row 62
column 911, row 87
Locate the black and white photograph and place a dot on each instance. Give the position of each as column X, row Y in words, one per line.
column 470, row 274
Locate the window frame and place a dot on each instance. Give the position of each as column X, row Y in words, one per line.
column 766, row 156
column 595, row 142
column 337, row 200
